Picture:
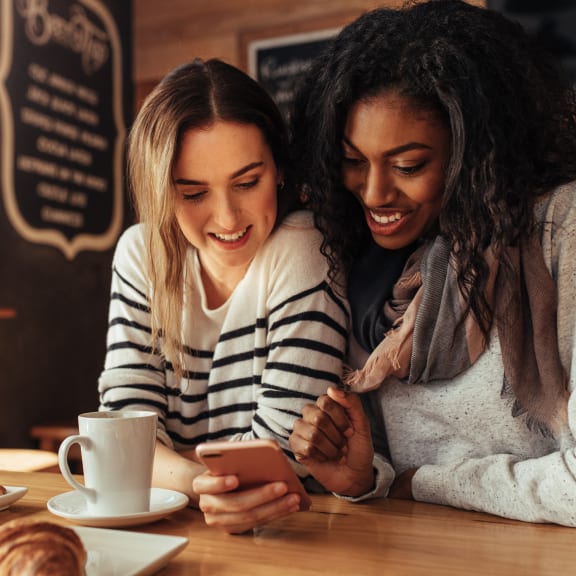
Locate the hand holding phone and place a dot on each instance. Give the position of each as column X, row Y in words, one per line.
column 254, row 462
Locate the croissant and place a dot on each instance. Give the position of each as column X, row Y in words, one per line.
column 2, row 490
column 40, row 549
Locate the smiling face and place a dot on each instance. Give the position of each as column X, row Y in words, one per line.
column 225, row 179
column 394, row 162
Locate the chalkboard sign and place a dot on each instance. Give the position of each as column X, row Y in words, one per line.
column 63, row 130
column 280, row 63
column 66, row 101
column 551, row 22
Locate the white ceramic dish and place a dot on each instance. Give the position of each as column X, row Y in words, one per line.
column 122, row 553
column 13, row 493
column 72, row 506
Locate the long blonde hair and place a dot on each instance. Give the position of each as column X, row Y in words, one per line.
column 193, row 95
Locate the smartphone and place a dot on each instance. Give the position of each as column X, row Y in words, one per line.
column 255, row 462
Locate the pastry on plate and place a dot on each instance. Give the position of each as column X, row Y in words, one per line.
column 41, row 548
column 2, row 490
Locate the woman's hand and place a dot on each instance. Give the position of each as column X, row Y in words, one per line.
column 236, row 512
column 333, row 441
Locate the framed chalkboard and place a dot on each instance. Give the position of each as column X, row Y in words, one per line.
column 551, row 22
column 279, row 56
column 280, row 63
column 63, row 83
column 66, row 101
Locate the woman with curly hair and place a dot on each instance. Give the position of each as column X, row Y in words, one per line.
column 437, row 146
column 222, row 318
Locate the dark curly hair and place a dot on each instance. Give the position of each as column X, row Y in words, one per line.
column 509, row 107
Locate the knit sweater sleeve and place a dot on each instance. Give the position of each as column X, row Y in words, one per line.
column 306, row 332
column 531, row 489
column 133, row 374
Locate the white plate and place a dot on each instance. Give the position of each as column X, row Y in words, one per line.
column 13, row 493
column 72, row 505
column 121, row 553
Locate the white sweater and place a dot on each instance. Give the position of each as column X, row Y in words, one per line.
column 251, row 365
column 460, row 434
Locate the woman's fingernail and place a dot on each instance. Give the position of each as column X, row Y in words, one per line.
column 280, row 488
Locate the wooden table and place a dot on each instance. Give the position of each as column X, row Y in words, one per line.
column 380, row 538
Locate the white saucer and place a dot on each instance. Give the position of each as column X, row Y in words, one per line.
column 72, row 505
column 13, row 493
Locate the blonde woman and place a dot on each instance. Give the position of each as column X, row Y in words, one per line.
column 222, row 319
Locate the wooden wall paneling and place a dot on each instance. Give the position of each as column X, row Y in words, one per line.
column 168, row 33
column 165, row 36
column 155, row 60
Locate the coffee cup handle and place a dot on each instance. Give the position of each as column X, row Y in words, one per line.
column 86, row 444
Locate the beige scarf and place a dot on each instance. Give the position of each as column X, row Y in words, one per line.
column 429, row 341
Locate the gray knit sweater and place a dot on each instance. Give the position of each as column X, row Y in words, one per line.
column 469, row 450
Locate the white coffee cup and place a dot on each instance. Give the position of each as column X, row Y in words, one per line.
column 117, row 457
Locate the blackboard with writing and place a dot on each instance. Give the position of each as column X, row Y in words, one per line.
column 551, row 22
column 65, row 108
column 62, row 123
column 280, row 63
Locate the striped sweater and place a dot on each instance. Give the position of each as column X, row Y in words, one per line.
column 250, row 365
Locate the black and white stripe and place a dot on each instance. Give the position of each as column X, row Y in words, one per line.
column 251, row 365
